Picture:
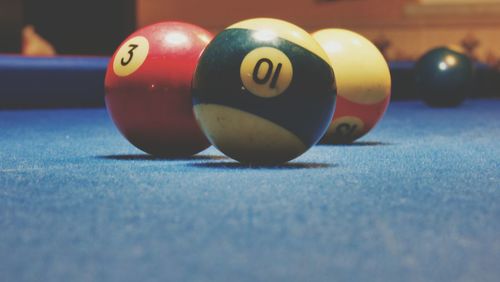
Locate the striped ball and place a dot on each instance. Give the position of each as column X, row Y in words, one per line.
column 363, row 82
column 263, row 91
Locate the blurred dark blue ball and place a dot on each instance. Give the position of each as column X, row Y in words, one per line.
column 444, row 77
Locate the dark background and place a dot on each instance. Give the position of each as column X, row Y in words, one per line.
column 11, row 22
column 89, row 27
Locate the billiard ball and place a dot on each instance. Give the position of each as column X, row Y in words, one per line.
column 443, row 77
column 363, row 84
column 148, row 88
column 263, row 91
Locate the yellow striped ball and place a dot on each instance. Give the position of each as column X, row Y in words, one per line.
column 363, row 84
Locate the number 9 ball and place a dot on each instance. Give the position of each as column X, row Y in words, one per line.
column 363, row 84
column 148, row 85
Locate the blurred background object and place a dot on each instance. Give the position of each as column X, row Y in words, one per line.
column 35, row 45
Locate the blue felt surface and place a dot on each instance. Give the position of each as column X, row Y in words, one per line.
column 416, row 200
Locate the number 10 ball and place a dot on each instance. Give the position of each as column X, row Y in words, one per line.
column 263, row 91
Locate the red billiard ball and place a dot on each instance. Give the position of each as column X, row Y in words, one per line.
column 148, row 84
column 363, row 84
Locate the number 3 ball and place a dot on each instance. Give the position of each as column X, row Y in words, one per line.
column 263, row 91
column 363, row 84
column 148, row 85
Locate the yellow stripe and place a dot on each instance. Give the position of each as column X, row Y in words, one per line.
column 361, row 72
column 246, row 137
column 284, row 30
